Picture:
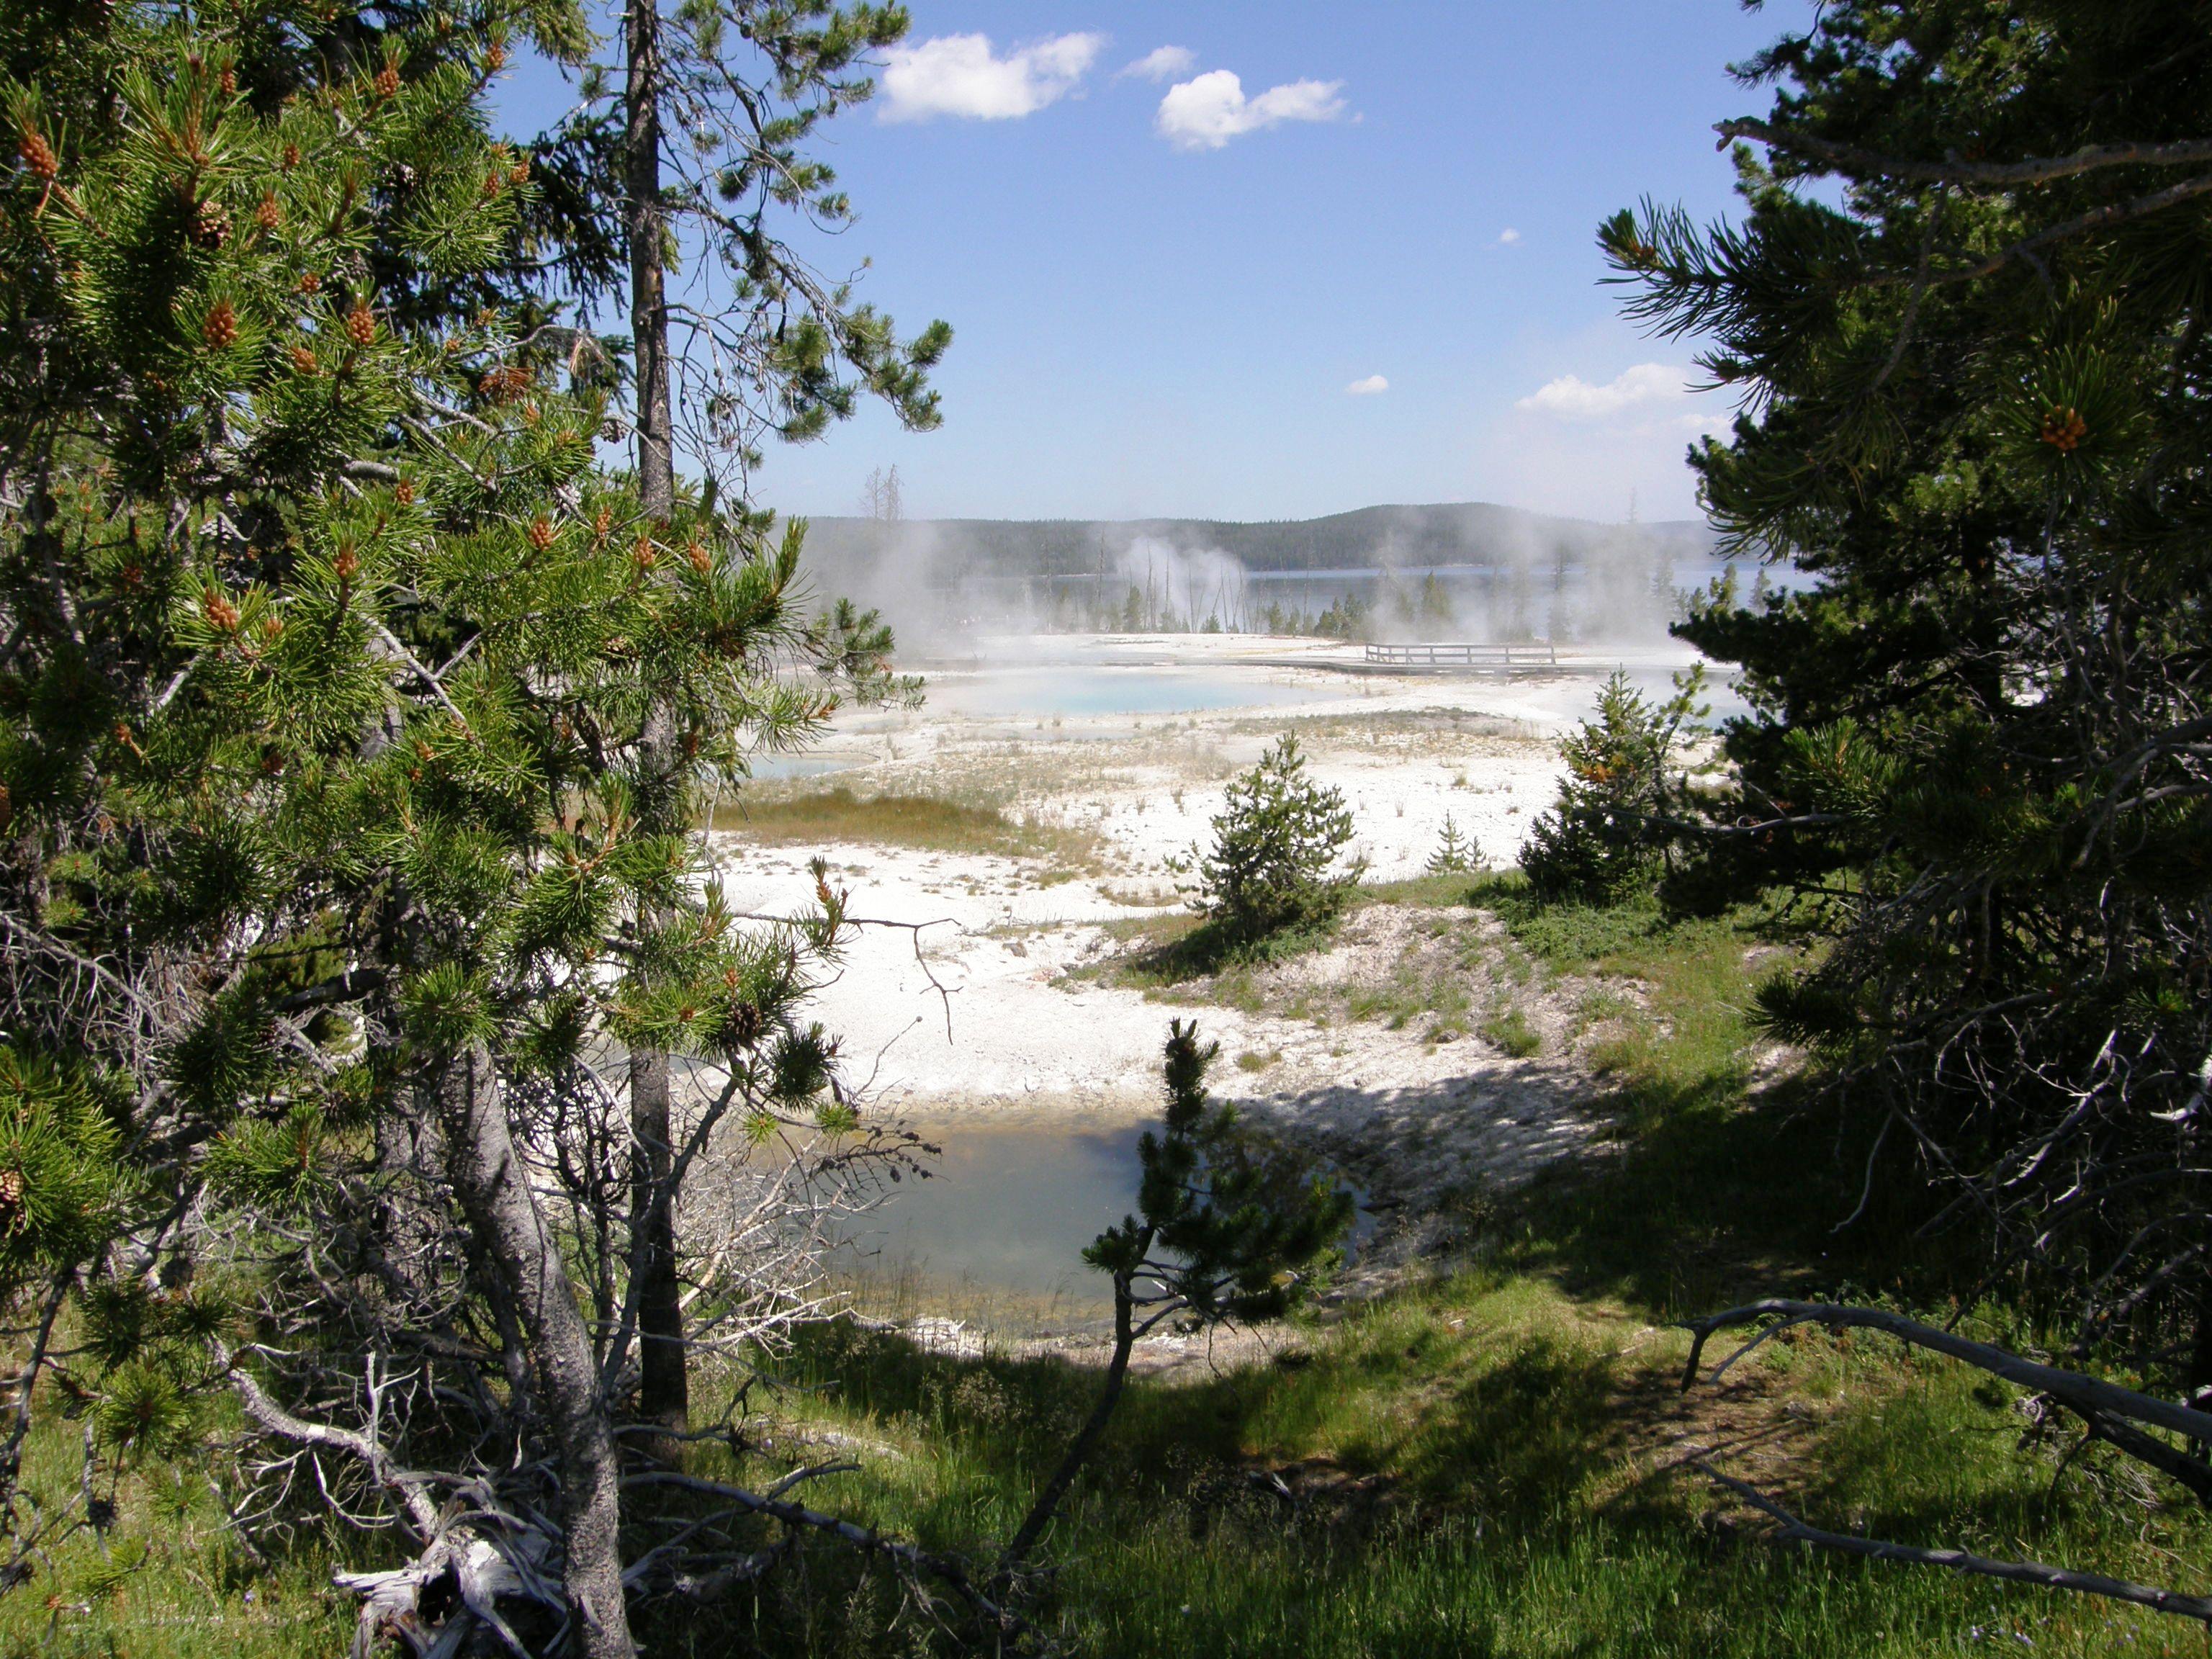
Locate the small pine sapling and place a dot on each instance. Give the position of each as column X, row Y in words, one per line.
column 1457, row 853
column 1274, row 868
column 1228, row 1229
column 1606, row 835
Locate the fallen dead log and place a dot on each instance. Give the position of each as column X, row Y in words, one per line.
column 2122, row 1417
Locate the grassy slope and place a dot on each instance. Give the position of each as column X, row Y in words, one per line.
column 1479, row 1462
column 1482, row 1461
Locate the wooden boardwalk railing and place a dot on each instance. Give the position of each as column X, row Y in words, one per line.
column 1535, row 654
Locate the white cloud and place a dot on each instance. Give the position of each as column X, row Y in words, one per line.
column 1368, row 387
column 1570, row 397
column 1161, row 63
column 1508, row 236
column 1207, row 111
column 961, row 75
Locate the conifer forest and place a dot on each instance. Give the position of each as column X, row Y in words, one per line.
column 590, row 1069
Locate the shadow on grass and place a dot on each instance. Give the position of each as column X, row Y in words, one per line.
column 1187, row 948
column 1419, row 1484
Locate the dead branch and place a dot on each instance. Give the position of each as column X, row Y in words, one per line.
column 2090, row 1397
column 413, row 1490
column 2019, row 1572
column 945, row 1569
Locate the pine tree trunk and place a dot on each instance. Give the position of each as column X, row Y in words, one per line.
column 664, row 1395
column 495, row 1195
column 643, row 229
column 1086, row 1439
column 664, row 1391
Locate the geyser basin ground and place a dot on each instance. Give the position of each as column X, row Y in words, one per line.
column 1018, row 1011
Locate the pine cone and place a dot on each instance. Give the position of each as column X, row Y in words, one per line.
column 743, row 1024
column 541, row 534
column 519, row 174
column 11, row 1199
column 228, row 82
column 39, row 158
column 268, row 215
column 304, row 362
column 220, row 611
column 697, row 554
column 496, row 57
column 2063, row 428
column 311, row 283
column 210, row 225
column 404, row 492
column 505, row 385
column 291, row 156
column 347, row 562
column 387, row 81
column 360, row 325
column 219, row 331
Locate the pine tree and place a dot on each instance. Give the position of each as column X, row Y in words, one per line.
column 1228, row 1229
column 694, row 154
column 1966, row 303
column 332, row 779
column 1606, row 835
column 1272, row 867
column 1457, row 852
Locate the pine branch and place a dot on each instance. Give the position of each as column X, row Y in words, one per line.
column 1849, row 158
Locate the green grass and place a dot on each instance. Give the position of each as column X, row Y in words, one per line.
column 1480, row 1468
column 1481, row 1462
column 1509, row 1031
column 822, row 817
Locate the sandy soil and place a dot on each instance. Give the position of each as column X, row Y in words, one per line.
column 995, row 1003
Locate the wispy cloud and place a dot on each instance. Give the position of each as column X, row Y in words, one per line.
column 1570, row 397
column 1369, row 388
column 1160, row 63
column 1508, row 236
column 962, row 76
column 1207, row 111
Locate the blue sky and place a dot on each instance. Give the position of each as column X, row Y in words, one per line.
column 1163, row 283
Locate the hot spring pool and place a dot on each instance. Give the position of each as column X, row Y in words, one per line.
column 1087, row 690
column 1006, row 1211
column 997, row 1233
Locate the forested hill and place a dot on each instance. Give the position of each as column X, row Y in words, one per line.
column 1470, row 533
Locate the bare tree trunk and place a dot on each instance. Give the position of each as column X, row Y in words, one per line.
column 1086, row 1439
column 643, row 227
column 664, row 1391
column 494, row 1194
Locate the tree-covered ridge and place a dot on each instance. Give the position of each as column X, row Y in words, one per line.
column 1475, row 532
